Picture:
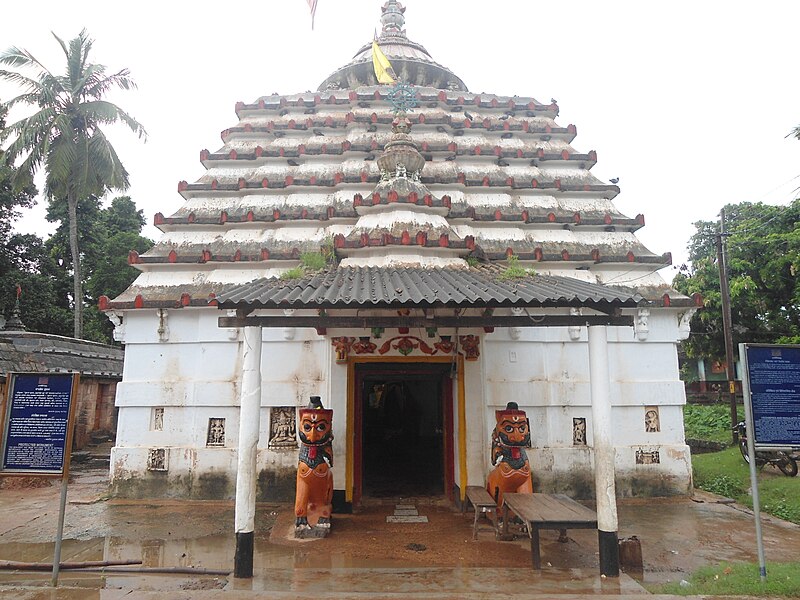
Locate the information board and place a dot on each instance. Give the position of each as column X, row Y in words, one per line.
column 773, row 372
column 37, row 430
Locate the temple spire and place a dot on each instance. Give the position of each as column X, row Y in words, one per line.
column 392, row 19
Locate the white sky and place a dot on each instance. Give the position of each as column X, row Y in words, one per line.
column 687, row 102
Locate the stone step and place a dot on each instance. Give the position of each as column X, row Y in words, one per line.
column 406, row 513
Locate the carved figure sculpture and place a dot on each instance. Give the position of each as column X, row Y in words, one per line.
column 512, row 471
column 314, row 492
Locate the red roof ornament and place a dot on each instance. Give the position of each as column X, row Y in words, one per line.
column 172, row 256
column 186, row 299
column 133, row 257
column 138, row 302
column 158, row 219
column 103, row 303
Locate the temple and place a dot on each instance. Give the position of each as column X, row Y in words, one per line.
column 417, row 255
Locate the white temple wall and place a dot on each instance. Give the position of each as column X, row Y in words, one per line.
column 547, row 374
column 193, row 377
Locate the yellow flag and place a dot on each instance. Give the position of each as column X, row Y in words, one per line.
column 383, row 68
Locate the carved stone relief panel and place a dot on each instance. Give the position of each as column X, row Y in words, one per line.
column 216, row 432
column 647, row 457
column 579, row 431
column 157, row 459
column 652, row 419
column 283, row 427
column 157, row 419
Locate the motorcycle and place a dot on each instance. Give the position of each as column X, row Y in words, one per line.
column 787, row 463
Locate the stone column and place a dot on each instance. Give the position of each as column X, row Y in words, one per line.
column 605, row 488
column 246, row 476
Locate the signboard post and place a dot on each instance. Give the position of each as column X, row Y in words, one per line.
column 771, row 387
column 38, row 419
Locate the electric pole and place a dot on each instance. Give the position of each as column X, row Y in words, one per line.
column 722, row 262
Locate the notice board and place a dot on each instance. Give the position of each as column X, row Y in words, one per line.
column 772, row 386
column 38, row 422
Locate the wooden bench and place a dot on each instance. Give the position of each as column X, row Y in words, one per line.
column 546, row 511
column 483, row 504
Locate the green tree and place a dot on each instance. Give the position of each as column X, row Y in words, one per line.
column 64, row 135
column 763, row 264
column 106, row 235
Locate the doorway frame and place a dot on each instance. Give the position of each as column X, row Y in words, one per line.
column 458, row 392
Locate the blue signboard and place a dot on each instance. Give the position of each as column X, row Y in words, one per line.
column 37, row 423
column 774, row 376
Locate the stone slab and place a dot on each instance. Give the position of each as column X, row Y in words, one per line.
column 406, row 512
column 405, row 507
column 406, row 519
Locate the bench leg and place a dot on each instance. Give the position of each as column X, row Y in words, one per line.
column 562, row 536
column 537, row 559
column 475, row 524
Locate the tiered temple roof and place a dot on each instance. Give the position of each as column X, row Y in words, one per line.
column 492, row 177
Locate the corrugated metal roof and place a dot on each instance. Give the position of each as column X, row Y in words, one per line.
column 376, row 287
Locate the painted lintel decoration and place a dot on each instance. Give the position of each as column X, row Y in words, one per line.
column 469, row 345
column 341, row 346
column 282, row 427
column 314, row 493
column 512, row 471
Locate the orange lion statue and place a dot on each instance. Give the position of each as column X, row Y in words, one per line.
column 312, row 507
column 512, row 471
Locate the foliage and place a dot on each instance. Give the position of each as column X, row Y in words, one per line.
column 514, row 270
column 313, row 261
column 473, row 261
column 738, row 579
column 64, row 137
column 763, row 264
column 708, row 421
column 42, row 268
column 295, row 273
column 727, row 474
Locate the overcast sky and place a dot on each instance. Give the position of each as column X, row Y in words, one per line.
column 687, row 102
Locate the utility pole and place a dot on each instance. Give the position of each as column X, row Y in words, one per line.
column 722, row 263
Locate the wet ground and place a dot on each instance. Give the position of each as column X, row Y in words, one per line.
column 364, row 556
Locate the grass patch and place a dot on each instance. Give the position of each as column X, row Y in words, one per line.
column 514, row 271
column 743, row 579
column 295, row 273
column 725, row 473
column 313, row 261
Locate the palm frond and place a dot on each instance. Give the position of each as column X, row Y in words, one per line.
column 20, row 80
column 108, row 167
column 19, row 57
column 120, row 79
column 108, row 113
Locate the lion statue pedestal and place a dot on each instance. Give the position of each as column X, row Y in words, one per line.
column 313, row 501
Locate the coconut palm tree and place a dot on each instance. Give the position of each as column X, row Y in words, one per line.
column 64, row 137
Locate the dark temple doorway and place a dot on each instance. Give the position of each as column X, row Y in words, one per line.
column 404, row 429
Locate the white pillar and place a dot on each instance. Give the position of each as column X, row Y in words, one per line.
column 246, row 476
column 701, row 373
column 605, row 488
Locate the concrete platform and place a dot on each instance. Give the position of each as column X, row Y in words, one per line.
column 364, row 557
